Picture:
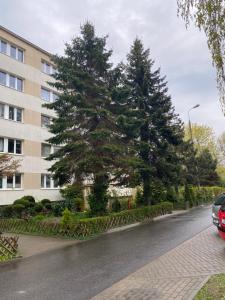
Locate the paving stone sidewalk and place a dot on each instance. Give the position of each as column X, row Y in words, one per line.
column 178, row 274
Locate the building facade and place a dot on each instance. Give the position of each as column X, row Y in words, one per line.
column 25, row 70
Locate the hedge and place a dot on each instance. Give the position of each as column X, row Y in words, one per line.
column 86, row 227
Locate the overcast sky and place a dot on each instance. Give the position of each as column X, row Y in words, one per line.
column 181, row 54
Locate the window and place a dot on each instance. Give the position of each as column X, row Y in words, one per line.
column 14, row 146
column 9, row 182
column 11, row 113
column 45, row 150
column 13, row 182
column 20, row 55
column 47, row 182
column 56, row 148
column 18, row 147
column 45, row 95
column 18, row 115
column 55, row 97
column 2, row 110
column 10, row 146
column 2, row 78
column 13, row 52
column 1, row 182
column 3, row 47
column 12, row 81
column 45, row 121
column 47, row 68
column 18, row 181
column 19, row 85
column 1, row 144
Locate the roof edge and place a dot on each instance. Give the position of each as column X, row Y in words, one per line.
column 25, row 41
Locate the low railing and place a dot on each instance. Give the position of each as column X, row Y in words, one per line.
column 8, row 247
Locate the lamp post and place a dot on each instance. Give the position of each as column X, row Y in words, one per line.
column 190, row 129
column 189, row 121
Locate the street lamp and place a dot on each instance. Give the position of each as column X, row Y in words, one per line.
column 189, row 120
column 190, row 129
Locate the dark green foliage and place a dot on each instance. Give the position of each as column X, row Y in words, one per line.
column 45, row 201
column 79, row 204
column 139, row 199
column 29, row 198
column 116, row 206
column 84, row 228
column 207, row 169
column 23, row 201
column 38, row 207
column 18, row 208
column 58, row 209
column 93, row 143
column 171, row 194
column 159, row 130
column 73, row 195
column 7, row 211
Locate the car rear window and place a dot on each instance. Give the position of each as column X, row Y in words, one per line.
column 220, row 199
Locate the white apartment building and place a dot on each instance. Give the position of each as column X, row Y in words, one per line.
column 25, row 70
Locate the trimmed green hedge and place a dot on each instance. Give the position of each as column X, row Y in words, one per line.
column 86, row 227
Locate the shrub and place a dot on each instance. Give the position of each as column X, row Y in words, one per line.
column 48, row 206
column 45, row 201
column 86, row 227
column 139, row 199
column 97, row 207
column 116, row 206
column 58, row 209
column 38, row 218
column 7, row 211
column 67, row 217
column 38, row 207
column 23, row 202
column 29, row 198
column 79, row 204
column 18, row 209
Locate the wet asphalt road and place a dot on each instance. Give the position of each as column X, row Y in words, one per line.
column 81, row 271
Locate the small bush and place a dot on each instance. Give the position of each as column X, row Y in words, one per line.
column 45, row 201
column 18, row 209
column 48, row 206
column 29, row 198
column 116, row 206
column 23, row 202
column 38, row 218
column 57, row 209
column 67, row 217
column 79, row 204
column 7, row 211
column 38, row 207
column 139, row 199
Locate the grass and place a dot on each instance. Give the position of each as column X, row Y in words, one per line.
column 214, row 289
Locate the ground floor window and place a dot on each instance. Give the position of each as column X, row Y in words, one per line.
column 47, row 182
column 11, row 182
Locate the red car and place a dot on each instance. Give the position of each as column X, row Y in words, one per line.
column 221, row 227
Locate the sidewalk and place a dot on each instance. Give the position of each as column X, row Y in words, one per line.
column 30, row 245
column 178, row 274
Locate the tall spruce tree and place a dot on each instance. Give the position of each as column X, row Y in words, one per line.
column 160, row 130
column 92, row 144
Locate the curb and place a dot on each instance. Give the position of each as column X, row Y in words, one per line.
column 122, row 228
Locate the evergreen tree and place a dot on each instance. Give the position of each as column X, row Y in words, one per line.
column 159, row 130
column 92, row 143
column 207, row 168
